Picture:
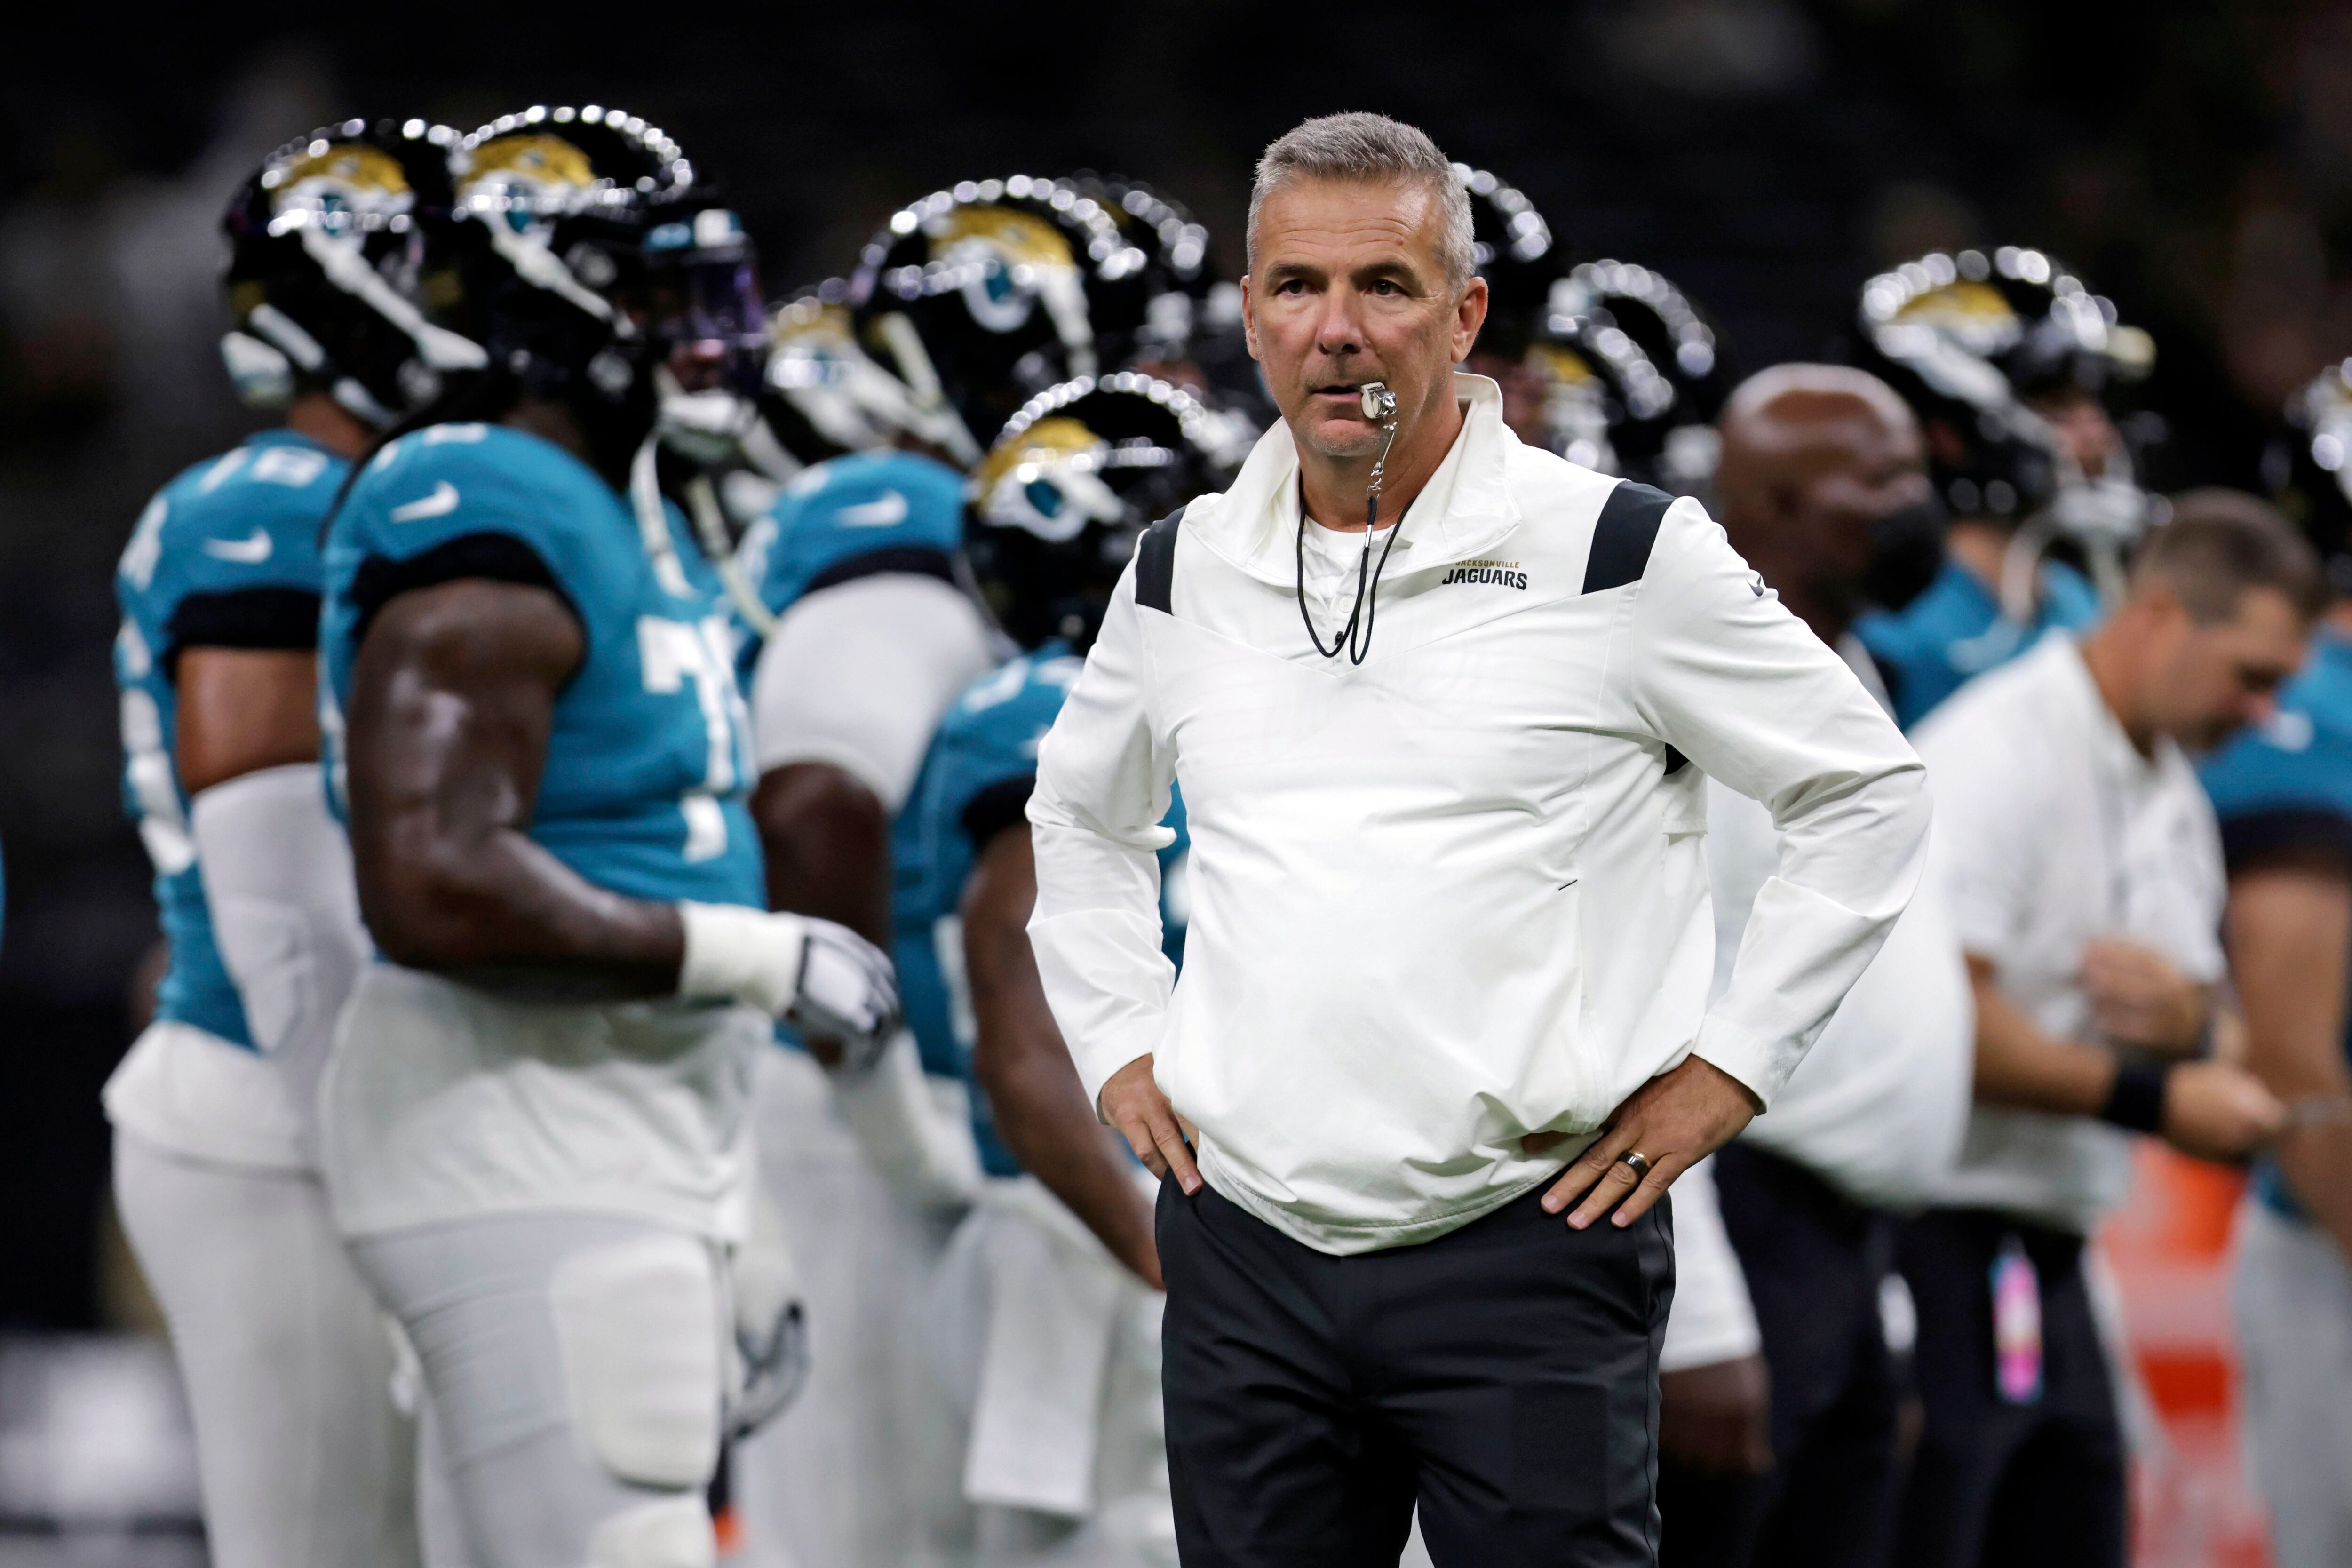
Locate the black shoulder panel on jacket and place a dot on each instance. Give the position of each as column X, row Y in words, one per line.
column 1155, row 563
column 1628, row 526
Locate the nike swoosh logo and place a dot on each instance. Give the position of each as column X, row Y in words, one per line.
column 440, row 503
column 883, row 510
column 251, row 552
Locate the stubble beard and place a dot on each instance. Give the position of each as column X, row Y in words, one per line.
column 1363, row 442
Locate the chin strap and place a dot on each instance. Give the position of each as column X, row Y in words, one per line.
column 652, row 519
column 710, row 527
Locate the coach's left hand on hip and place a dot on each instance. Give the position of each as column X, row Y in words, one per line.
column 1673, row 1123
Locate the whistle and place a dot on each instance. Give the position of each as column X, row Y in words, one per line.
column 1379, row 403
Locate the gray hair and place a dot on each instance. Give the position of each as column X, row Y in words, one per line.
column 1368, row 147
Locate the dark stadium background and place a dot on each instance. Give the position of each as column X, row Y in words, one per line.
column 2194, row 160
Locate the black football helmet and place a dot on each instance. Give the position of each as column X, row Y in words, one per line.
column 1076, row 475
column 1653, row 358
column 1971, row 340
column 825, row 395
column 983, row 296
column 604, row 273
column 1513, row 249
column 1671, row 329
column 339, row 248
column 1171, row 292
column 1605, row 405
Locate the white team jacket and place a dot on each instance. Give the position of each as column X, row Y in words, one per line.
column 1458, row 894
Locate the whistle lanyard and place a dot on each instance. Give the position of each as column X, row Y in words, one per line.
column 1368, row 576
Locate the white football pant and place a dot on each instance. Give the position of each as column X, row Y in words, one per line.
column 861, row 1471
column 303, row 1457
column 575, row 1363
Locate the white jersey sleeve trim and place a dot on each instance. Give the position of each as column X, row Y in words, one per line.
column 859, row 675
column 285, row 910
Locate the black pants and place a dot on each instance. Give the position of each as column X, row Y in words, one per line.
column 1814, row 1260
column 1995, row 1484
column 1503, row 1376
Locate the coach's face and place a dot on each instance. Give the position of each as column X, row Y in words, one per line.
column 1349, row 285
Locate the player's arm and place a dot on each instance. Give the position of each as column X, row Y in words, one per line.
column 827, row 837
column 2290, row 936
column 2208, row 1108
column 848, row 689
column 452, row 702
column 276, row 871
column 243, row 710
column 1025, row 1070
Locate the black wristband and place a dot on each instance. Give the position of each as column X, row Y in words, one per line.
column 2137, row 1101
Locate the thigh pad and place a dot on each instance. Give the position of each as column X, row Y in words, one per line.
column 638, row 1324
column 674, row 1532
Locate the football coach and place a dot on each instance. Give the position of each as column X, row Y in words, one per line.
column 1450, row 946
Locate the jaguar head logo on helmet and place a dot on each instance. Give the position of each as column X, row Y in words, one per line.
column 984, row 295
column 339, row 244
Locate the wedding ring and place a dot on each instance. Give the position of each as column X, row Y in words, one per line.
column 1636, row 1162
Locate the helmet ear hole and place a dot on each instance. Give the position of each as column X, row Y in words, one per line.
column 264, row 377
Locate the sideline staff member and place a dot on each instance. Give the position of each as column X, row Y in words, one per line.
column 1824, row 492
column 2084, row 872
column 1449, row 915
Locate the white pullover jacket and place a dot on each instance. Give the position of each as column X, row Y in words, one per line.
column 1458, row 894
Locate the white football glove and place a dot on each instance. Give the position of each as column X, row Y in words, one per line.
column 849, row 991
column 825, row 979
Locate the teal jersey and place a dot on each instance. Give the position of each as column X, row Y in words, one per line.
column 974, row 782
column 648, row 763
column 2287, row 787
column 1954, row 632
column 857, row 516
column 226, row 555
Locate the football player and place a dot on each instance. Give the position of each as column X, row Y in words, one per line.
column 301, row 1455
column 2008, row 360
column 536, row 1121
column 1046, row 1307
column 2283, row 795
column 866, row 630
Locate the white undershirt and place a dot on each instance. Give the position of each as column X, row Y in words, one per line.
column 1330, row 564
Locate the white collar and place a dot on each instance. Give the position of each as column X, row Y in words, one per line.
column 2111, row 747
column 1464, row 510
